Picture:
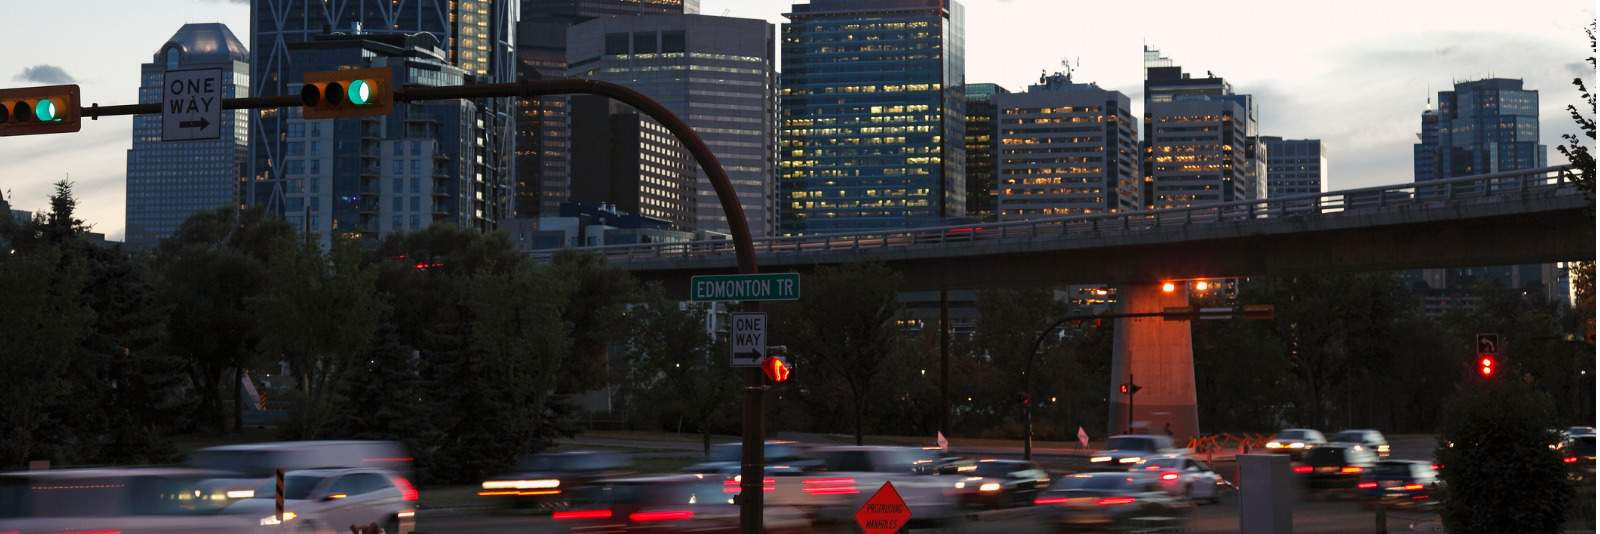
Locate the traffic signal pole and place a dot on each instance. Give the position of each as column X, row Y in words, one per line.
column 751, row 472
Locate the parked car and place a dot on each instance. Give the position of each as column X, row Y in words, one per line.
column 1399, row 484
column 547, row 480
column 1128, row 450
column 1185, row 477
column 1295, row 441
column 1111, row 502
column 126, row 500
column 251, row 465
column 317, row 500
column 1371, row 439
column 672, row 503
column 999, row 483
column 780, row 457
column 1336, row 466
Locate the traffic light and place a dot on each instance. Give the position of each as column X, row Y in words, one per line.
column 347, row 93
column 1123, row 389
column 39, row 110
column 1486, row 365
column 775, row 369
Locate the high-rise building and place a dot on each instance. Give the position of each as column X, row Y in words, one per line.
column 1200, row 143
column 1484, row 126
column 471, row 40
column 169, row 181
column 1422, row 155
column 1296, row 166
column 629, row 161
column 981, row 149
column 717, row 74
column 1066, row 149
column 543, row 153
column 873, row 115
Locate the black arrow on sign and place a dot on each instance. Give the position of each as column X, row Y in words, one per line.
column 752, row 355
column 201, row 124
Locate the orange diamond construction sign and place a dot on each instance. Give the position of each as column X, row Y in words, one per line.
column 884, row 513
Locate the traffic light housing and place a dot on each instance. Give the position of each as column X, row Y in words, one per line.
column 1487, row 365
column 775, row 369
column 39, row 110
column 346, row 93
column 1123, row 389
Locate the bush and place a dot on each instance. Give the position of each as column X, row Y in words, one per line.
column 1499, row 471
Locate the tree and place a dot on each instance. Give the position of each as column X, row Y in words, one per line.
column 381, row 397
column 845, row 323
column 1576, row 152
column 62, row 221
column 41, row 325
column 1496, row 435
column 672, row 364
column 595, row 312
column 319, row 314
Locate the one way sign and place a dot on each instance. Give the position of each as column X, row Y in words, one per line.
column 191, row 105
column 749, row 339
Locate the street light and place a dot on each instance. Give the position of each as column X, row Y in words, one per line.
column 1168, row 287
column 1202, row 285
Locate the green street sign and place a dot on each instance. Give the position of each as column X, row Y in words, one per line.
column 737, row 287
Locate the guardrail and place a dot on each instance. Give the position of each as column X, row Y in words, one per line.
column 1548, row 181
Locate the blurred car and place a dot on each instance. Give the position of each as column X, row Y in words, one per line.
column 1185, row 477
column 544, row 480
column 999, row 483
column 253, row 464
column 1371, row 439
column 780, row 457
column 1577, row 454
column 1335, row 466
column 125, row 500
column 671, row 503
column 1579, row 431
column 850, row 475
column 1295, row 441
column 1399, row 484
column 317, row 500
column 1124, row 451
column 1111, row 502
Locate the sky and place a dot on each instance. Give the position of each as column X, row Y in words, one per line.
column 1354, row 73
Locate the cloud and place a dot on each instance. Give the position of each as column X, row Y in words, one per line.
column 44, row 74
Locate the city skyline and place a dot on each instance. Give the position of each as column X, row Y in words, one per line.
column 1359, row 90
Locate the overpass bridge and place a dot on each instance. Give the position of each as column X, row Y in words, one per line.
column 1517, row 217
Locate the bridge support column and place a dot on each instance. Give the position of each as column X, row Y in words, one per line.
column 1159, row 354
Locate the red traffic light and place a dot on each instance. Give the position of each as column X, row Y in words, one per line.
column 1486, row 365
column 1123, row 389
column 775, row 369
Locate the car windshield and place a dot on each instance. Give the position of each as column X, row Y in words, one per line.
column 997, row 469
column 295, row 487
column 1392, row 469
column 1294, row 434
column 727, row 452
column 128, row 496
column 1131, row 444
column 1350, row 437
column 1166, row 463
column 1324, row 456
column 1583, row 446
column 1093, row 483
column 252, row 463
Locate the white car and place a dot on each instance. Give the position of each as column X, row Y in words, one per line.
column 1186, row 477
column 126, row 500
column 252, row 464
column 851, row 475
column 1129, row 450
column 1295, row 441
column 336, row 499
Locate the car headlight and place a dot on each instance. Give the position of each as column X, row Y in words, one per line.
column 1130, row 460
column 960, row 485
column 1099, row 459
column 989, row 487
column 1274, row 445
column 272, row 520
column 1297, row 445
column 240, row 494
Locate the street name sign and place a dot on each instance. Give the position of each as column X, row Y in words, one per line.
column 191, row 105
column 744, row 287
column 747, row 338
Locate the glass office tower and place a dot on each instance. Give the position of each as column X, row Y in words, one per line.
column 873, row 115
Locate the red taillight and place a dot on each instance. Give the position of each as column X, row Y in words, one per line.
column 1109, row 501
column 660, row 515
column 1436, row 467
column 580, row 514
column 1367, row 485
column 1413, row 487
column 1049, row 500
column 408, row 492
column 829, row 486
column 1302, row 469
column 1570, row 459
column 731, row 486
column 1349, row 470
column 1169, row 476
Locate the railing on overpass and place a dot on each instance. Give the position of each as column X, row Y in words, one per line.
column 1467, row 190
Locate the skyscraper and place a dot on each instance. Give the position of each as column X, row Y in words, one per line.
column 1484, row 126
column 474, row 36
column 981, row 148
column 873, row 118
column 542, row 181
column 1422, row 155
column 1296, row 166
column 716, row 73
column 1066, row 149
column 629, row 161
column 169, row 181
column 1199, row 138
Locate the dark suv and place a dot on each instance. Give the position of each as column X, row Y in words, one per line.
column 1336, row 466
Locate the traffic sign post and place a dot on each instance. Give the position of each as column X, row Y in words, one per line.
column 744, row 287
column 1488, row 343
column 884, row 513
column 747, row 339
column 191, row 105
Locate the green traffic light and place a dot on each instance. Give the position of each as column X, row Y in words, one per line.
column 45, row 110
column 360, row 92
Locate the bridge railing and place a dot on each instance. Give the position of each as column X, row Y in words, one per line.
column 1467, row 190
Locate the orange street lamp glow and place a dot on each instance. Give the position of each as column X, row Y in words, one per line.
column 1168, row 287
column 1202, row 285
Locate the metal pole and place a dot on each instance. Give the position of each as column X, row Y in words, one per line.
column 944, row 361
column 1130, row 403
column 278, row 496
column 1383, row 520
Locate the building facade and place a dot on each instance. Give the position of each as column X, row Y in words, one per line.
column 1484, row 126
column 1065, row 149
column 873, row 118
column 630, row 162
column 543, row 154
column 1200, row 143
column 169, row 181
column 1296, row 166
column 471, row 40
column 717, row 74
column 982, row 149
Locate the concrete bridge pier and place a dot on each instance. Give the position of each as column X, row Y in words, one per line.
column 1160, row 355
